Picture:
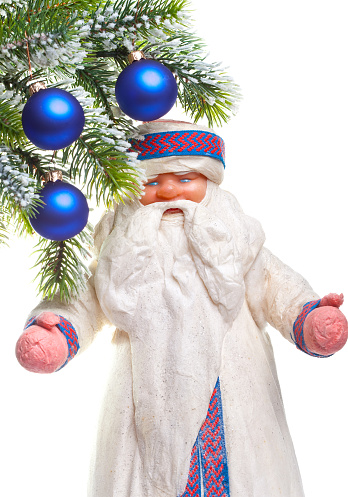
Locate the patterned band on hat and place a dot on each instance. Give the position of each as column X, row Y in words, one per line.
column 175, row 143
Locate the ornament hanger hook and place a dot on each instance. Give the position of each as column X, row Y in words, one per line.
column 28, row 54
column 36, row 86
column 53, row 176
column 135, row 22
column 136, row 55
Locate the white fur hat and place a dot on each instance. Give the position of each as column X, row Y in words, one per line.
column 177, row 146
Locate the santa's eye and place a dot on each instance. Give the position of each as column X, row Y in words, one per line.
column 185, row 180
column 153, row 183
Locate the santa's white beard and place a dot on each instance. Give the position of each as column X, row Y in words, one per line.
column 175, row 285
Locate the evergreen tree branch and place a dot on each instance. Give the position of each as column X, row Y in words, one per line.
column 97, row 79
column 38, row 164
column 11, row 130
column 162, row 32
column 18, row 191
column 106, row 171
column 4, row 224
column 61, row 266
column 81, row 46
column 203, row 88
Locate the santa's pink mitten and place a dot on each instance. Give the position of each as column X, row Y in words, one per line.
column 325, row 329
column 42, row 348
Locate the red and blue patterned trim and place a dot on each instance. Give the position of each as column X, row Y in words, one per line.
column 70, row 334
column 298, row 337
column 194, row 480
column 71, row 337
column 30, row 322
column 208, row 467
column 176, row 143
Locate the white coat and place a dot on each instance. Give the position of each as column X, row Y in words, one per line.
column 260, row 455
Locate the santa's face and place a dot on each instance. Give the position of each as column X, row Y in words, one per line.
column 169, row 187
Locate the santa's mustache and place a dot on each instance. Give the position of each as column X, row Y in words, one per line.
column 150, row 216
column 185, row 206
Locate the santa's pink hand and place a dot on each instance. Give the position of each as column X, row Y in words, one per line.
column 333, row 299
column 325, row 330
column 42, row 348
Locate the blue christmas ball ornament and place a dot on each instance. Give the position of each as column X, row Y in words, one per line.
column 64, row 213
column 146, row 90
column 52, row 119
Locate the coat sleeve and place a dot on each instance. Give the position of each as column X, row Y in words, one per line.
column 85, row 313
column 275, row 293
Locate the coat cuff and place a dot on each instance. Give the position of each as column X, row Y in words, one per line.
column 297, row 336
column 70, row 334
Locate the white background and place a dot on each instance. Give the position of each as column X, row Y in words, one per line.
column 287, row 162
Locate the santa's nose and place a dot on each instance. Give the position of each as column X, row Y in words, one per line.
column 168, row 191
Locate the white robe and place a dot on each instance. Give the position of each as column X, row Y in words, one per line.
column 261, row 458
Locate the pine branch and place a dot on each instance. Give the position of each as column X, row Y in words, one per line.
column 81, row 46
column 118, row 28
column 11, row 130
column 4, row 224
column 48, row 31
column 16, row 185
column 38, row 164
column 97, row 79
column 18, row 191
column 40, row 16
column 61, row 265
column 104, row 170
column 204, row 89
column 162, row 30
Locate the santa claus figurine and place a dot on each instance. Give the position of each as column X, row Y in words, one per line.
column 193, row 406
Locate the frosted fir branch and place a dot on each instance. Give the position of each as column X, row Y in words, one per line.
column 62, row 266
column 11, row 65
column 82, row 49
column 63, row 83
column 198, row 70
column 187, row 53
column 15, row 182
column 93, row 114
column 47, row 50
column 111, row 141
column 69, row 53
column 93, row 111
column 17, row 3
column 4, row 221
column 103, row 120
column 111, row 18
column 204, row 89
column 101, row 129
column 11, row 6
column 11, row 97
column 112, row 29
